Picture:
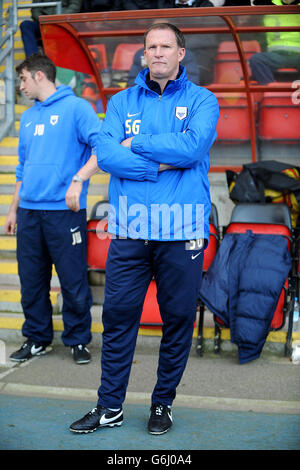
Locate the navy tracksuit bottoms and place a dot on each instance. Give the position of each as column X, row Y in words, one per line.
column 131, row 264
column 31, row 35
column 60, row 238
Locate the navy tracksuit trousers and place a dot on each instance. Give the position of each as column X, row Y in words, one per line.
column 131, row 264
column 31, row 35
column 58, row 237
column 264, row 64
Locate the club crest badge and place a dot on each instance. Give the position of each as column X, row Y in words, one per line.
column 54, row 119
column 181, row 112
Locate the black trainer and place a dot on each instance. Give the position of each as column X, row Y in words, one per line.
column 160, row 419
column 97, row 418
column 81, row 354
column 28, row 350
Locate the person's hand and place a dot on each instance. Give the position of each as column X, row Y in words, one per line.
column 10, row 223
column 164, row 166
column 127, row 142
column 73, row 195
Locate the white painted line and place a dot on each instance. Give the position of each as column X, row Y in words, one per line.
column 190, row 401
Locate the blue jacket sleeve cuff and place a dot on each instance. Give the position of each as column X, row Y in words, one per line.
column 19, row 174
column 152, row 171
column 137, row 145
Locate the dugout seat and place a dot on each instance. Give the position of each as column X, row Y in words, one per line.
column 209, row 254
column 98, row 237
column 279, row 117
column 288, row 74
column 122, row 61
column 234, row 124
column 272, row 219
column 99, row 54
column 227, row 66
column 278, row 125
column 151, row 314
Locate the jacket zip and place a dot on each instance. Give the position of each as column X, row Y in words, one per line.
column 147, row 193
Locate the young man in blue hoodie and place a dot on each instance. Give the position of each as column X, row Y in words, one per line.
column 160, row 222
column 57, row 135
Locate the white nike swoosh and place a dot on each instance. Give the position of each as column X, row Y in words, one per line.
column 195, row 256
column 28, row 124
column 104, row 420
column 74, row 229
column 35, row 350
column 170, row 416
column 135, row 114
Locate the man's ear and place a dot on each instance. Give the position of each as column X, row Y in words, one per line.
column 181, row 54
column 39, row 75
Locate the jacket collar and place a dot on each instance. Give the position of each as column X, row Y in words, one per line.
column 143, row 80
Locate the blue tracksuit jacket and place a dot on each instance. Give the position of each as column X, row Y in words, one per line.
column 56, row 138
column 176, row 128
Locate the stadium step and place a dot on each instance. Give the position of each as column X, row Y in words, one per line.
column 23, row 14
column 10, row 299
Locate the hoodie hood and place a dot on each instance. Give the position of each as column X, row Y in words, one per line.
column 61, row 92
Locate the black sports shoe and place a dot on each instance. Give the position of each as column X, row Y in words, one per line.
column 28, row 350
column 81, row 354
column 97, row 418
column 160, row 419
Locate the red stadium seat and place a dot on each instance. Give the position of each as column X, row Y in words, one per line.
column 98, row 244
column 287, row 70
column 234, row 123
column 151, row 314
column 229, row 49
column 98, row 238
column 122, row 61
column 209, row 254
column 278, row 118
column 124, row 54
column 287, row 74
column 99, row 54
column 228, row 68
